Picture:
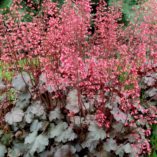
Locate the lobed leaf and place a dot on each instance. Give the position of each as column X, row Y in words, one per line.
column 15, row 116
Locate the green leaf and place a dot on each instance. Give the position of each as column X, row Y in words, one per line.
column 127, row 9
column 6, row 139
column 5, row 3
column 2, row 85
column 154, row 154
column 129, row 87
column 153, row 141
column 27, row 18
column 60, row 2
column 1, row 133
column 123, row 77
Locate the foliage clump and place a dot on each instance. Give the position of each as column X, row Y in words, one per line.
column 85, row 94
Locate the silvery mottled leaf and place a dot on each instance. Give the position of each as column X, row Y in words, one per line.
column 14, row 116
column 115, row 103
column 87, row 105
column 35, row 126
column 23, row 100
column 15, row 127
column 61, row 132
column 150, row 79
column 120, row 151
column 31, row 138
column 124, row 149
column 66, row 135
column 133, row 137
column 95, row 134
column 28, row 117
column 72, row 101
column 20, row 146
column 153, row 103
column 127, row 148
column 77, row 120
column 13, row 153
column 151, row 92
column 57, row 130
column 118, row 127
column 48, row 153
column 119, row 115
column 117, row 99
column 3, row 150
column 42, row 81
column 141, row 122
column 90, row 118
column 39, row 144
column 55, row 114
column 101, row 153
column 65, row 149
column 110, row 144
column 27, row 155
column 21, row 81
column 108, row 105
column 136, row 150
column 90, row 143
column 78, row 147
column 17, row 150
column 37, row 109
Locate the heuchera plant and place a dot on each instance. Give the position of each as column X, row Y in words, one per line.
column 90, row 77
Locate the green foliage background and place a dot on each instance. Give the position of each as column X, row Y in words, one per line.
column 127, row 6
